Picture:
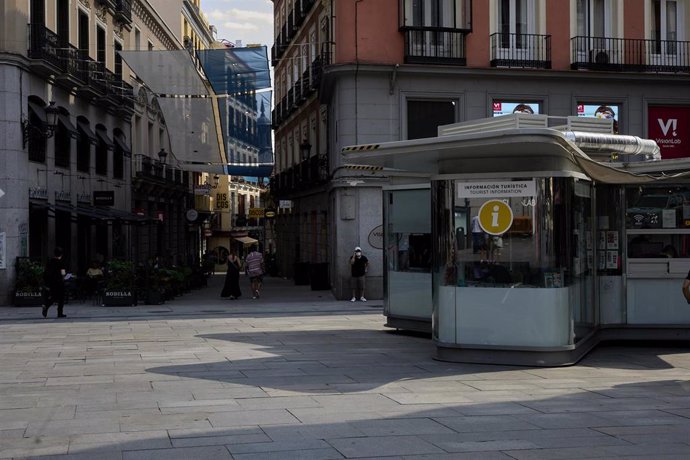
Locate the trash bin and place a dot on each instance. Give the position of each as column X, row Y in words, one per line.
column 319, row 277
column 301, row 273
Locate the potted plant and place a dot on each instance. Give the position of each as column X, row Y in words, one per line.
column 119, row 284
column 28, row 288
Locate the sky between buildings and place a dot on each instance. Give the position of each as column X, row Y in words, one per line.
column 250, row 21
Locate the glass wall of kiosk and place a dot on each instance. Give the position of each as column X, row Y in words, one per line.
column 521, row 274
column 407, row 239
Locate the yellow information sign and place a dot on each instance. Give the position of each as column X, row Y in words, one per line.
column 495, row 217
column 256, row 213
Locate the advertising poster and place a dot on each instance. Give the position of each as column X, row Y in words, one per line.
column 602, row 111
column 506, row 108
column 3, row 256
column 612, row 239
column 669, row 127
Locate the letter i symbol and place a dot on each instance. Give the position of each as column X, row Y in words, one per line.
column 494, row 217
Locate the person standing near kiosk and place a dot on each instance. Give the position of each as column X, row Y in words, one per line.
column 359, row 265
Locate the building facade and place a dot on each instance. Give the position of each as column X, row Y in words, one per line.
column 362, row 72
column 92, row 180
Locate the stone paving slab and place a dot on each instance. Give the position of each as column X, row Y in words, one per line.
column 300, row 375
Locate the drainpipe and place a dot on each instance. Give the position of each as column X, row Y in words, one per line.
column 619, row 143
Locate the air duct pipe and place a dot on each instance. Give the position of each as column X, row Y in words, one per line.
column 618, row 143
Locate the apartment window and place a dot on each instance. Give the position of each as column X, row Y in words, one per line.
column 84, row 33
column 119, row 151
column 454, row 14
column 118, row 60
column 667, row 25
column 515, row 19
column 63, row 20
column 37, row 121
column 137, row 39
column 150, row 46
column 424, row 117
column 100, row 45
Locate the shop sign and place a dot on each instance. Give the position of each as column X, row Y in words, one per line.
column 222, row 201
column 495, row 217
column 63, row 196
column 3, row 253
column 669, row 127
column 84, row 198
column 376, row 237
column 208, row 232
column 285, row 204
column 270, row 213
column 257, row 213
column 192, row 215
column 204, row 189
column 496, row 189
column 38, row 193
column 104, row 198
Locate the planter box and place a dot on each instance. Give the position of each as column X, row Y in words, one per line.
column 28, row 298
column 119, row 298
column 154, row 297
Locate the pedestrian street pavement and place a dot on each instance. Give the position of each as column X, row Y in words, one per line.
column 297, row 374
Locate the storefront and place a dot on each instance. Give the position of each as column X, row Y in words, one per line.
column 522, row 249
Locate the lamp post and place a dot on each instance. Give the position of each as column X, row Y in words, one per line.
column 31, row 130
column 305, row 149
column 163, row 155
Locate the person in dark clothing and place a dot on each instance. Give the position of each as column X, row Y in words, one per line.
column 359, row 265
column 686, row 288
column 54, row 277
column 231, row 288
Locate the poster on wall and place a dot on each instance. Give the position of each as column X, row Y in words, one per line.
column 669, row 127
column 3, row 254
column 506, row 108
column 601, row 111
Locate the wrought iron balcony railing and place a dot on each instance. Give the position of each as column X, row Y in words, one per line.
column 630, row 55
column 521, row 50
column 45, row 44
column 123, row 10
column 434, row 45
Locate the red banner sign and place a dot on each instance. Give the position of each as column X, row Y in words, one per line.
column 669, row 127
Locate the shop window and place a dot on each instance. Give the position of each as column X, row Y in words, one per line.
column 502, row 107
column 424, row 117
column 601, row 111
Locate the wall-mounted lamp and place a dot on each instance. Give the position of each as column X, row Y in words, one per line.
column 43, row 130
column 162, row 155
column 216, row 181
column 305, row 149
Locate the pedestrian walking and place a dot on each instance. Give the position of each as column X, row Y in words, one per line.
column 359, row 265
column 54, row 278
column 254, row 263
column 231, row 288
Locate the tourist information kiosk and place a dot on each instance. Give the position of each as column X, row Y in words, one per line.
column 527, row 245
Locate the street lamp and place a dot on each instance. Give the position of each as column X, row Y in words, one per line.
column 162, row 155
column 31, row 130
column 305, row 149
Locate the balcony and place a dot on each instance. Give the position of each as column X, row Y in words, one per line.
column 433, row 45
column 44, row 48
column 123, row 11
column 630, row 55
column 310, row 173
column 521, row 50
column 150, row 172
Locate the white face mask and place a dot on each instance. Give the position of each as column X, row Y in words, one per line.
column 358, row 254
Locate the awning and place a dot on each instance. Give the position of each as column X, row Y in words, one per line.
column 246, row 240
column 86, row 131
column 122, row 143
column 103, row 136
column 64, row 120
column 39, row 111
